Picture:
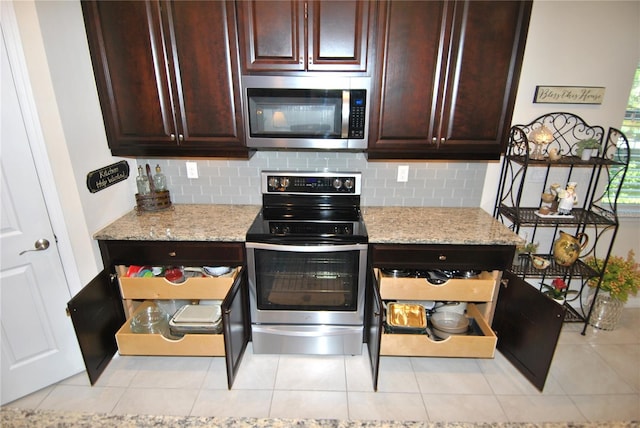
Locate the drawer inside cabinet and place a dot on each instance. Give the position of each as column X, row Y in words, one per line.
column 479, row 289
column 465, row 346
column 160, row 288
column 130, row 343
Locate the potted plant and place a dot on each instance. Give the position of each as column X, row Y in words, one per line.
column 584, row 148
column 620, row 279
column 558, row 290
column 525, row 250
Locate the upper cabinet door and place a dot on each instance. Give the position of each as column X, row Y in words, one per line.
column 272, row 35
column 488, row 43
column 338, row 35
column 446, row 78
column 412, row 43
column 168, row 77
column 126, row 45
column 298, row 36
column 202, row 55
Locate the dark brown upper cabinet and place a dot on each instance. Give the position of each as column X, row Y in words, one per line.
column 299, row 36
column 167, row 76
column 446, row 78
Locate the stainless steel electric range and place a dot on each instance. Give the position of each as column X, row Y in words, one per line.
column 306, row 260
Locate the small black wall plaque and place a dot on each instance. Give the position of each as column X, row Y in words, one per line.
column 102, row 178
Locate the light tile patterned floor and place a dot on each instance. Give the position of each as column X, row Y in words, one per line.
column 593, row 378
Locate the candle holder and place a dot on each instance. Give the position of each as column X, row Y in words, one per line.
column 540, row 137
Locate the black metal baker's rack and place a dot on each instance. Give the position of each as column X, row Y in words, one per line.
column 528, row 170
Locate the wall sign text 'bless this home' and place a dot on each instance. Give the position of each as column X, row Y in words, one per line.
column 569, row 95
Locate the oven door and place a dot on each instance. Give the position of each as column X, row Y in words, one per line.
column 307, row 284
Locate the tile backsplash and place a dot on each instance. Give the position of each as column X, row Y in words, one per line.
column 431, row 183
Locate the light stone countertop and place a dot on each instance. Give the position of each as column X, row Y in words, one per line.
column 30, row 418
column 435, row 225
column 229, row 223
column 184, row 222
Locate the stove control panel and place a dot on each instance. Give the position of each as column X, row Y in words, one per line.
column 310, row 228
column 327, row 183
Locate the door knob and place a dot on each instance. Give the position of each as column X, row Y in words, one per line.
column 40, row 245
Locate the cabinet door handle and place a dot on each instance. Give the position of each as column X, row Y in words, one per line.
column 173, row 137
column 172, row 253
column 442, row 140
column 180, row 137
column 434, row 140
column 442, row 257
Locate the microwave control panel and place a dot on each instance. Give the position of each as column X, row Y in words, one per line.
column 358, row 106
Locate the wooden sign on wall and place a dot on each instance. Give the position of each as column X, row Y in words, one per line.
column 569, row 95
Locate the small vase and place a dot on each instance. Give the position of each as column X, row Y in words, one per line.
column 606, row 311
column 560, row 300
column 586, row 154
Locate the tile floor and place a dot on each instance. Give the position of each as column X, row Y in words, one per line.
column 593, row 378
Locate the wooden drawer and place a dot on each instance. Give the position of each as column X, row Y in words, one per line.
column 419, row 345
column 480, row 289
column 160, row 288
column 438, row 256
column 130, row 343
column 183, row 253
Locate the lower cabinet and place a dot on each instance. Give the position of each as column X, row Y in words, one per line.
column 504, row 312
column 102, row 311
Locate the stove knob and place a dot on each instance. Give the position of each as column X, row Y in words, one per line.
column 273, row 183
column 284, row 182
column 348, row 184
column 337, row 183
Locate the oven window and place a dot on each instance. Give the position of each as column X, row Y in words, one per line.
column 295, row 113
column 307, row 281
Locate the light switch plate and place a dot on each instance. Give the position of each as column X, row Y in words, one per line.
column 192, row 170
column 403, row 173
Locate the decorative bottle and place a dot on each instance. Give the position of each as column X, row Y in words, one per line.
column 142, row 181
column 159, row 180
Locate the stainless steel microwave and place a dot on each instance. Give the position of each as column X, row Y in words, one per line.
column 329, row 113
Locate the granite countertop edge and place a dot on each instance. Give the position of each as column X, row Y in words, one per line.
column 385, row 225
column 16, row 417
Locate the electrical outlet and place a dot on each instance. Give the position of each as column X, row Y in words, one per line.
column 403, row 173
column 192, row 170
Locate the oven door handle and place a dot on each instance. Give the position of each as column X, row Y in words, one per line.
column 309, row 331
column 305, row 248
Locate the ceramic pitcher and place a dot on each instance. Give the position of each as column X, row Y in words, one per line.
column 567, row 248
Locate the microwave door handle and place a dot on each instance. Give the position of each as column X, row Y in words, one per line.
column 346, row 100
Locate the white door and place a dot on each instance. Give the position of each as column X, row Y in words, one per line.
column 38, row 342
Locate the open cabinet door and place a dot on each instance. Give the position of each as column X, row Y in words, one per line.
column 374, row 330
column 236, row 324
column 528, row 325
column 97, row 314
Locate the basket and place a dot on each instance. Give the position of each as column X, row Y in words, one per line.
column 154, row 201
